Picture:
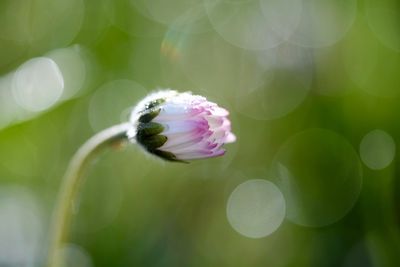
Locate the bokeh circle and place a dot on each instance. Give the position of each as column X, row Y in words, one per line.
column 377, row 149
column 320, row 175
column 256, row 208
column 104, row 113
column 383, row 18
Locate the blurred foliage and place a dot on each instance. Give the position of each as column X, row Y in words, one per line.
column 340, row 75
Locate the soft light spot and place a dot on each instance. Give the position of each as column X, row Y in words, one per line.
column 276, row 95
column 71, row 62
column 324, row 23
column 104, row 113
column 377, row 149
column 181, row 58
column 376, row 73
column 40, row 25
column 10, row 111
column 74, row 255
column 165, row 12
column 125, row 16
column 256, row 208
column 21, row 227
column 383, row 19
column 251, row 24
column 319, row 173
column 37, row 84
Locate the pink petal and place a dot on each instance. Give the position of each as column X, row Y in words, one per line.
column 181, row 144
column 202, row 145
column 198, row 155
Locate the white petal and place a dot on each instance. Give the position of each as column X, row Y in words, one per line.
column 215, row 121
column 174, row 112
column 179, row 139
column 173, row 127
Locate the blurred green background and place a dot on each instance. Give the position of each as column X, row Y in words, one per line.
column 313, row 88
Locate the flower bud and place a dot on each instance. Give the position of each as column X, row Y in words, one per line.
column 180, row 126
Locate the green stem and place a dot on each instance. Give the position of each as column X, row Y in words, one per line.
column 71, row 185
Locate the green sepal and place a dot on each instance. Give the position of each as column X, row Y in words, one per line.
column 167, row 155
column 149, row 115
column 155, row 103
column 148, row 129
column 153, row 142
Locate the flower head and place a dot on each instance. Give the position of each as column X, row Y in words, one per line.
column 180, row 126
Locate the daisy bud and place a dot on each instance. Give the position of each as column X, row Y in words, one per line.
column 180, row 126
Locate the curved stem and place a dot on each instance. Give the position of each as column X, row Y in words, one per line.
column 71, row 184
